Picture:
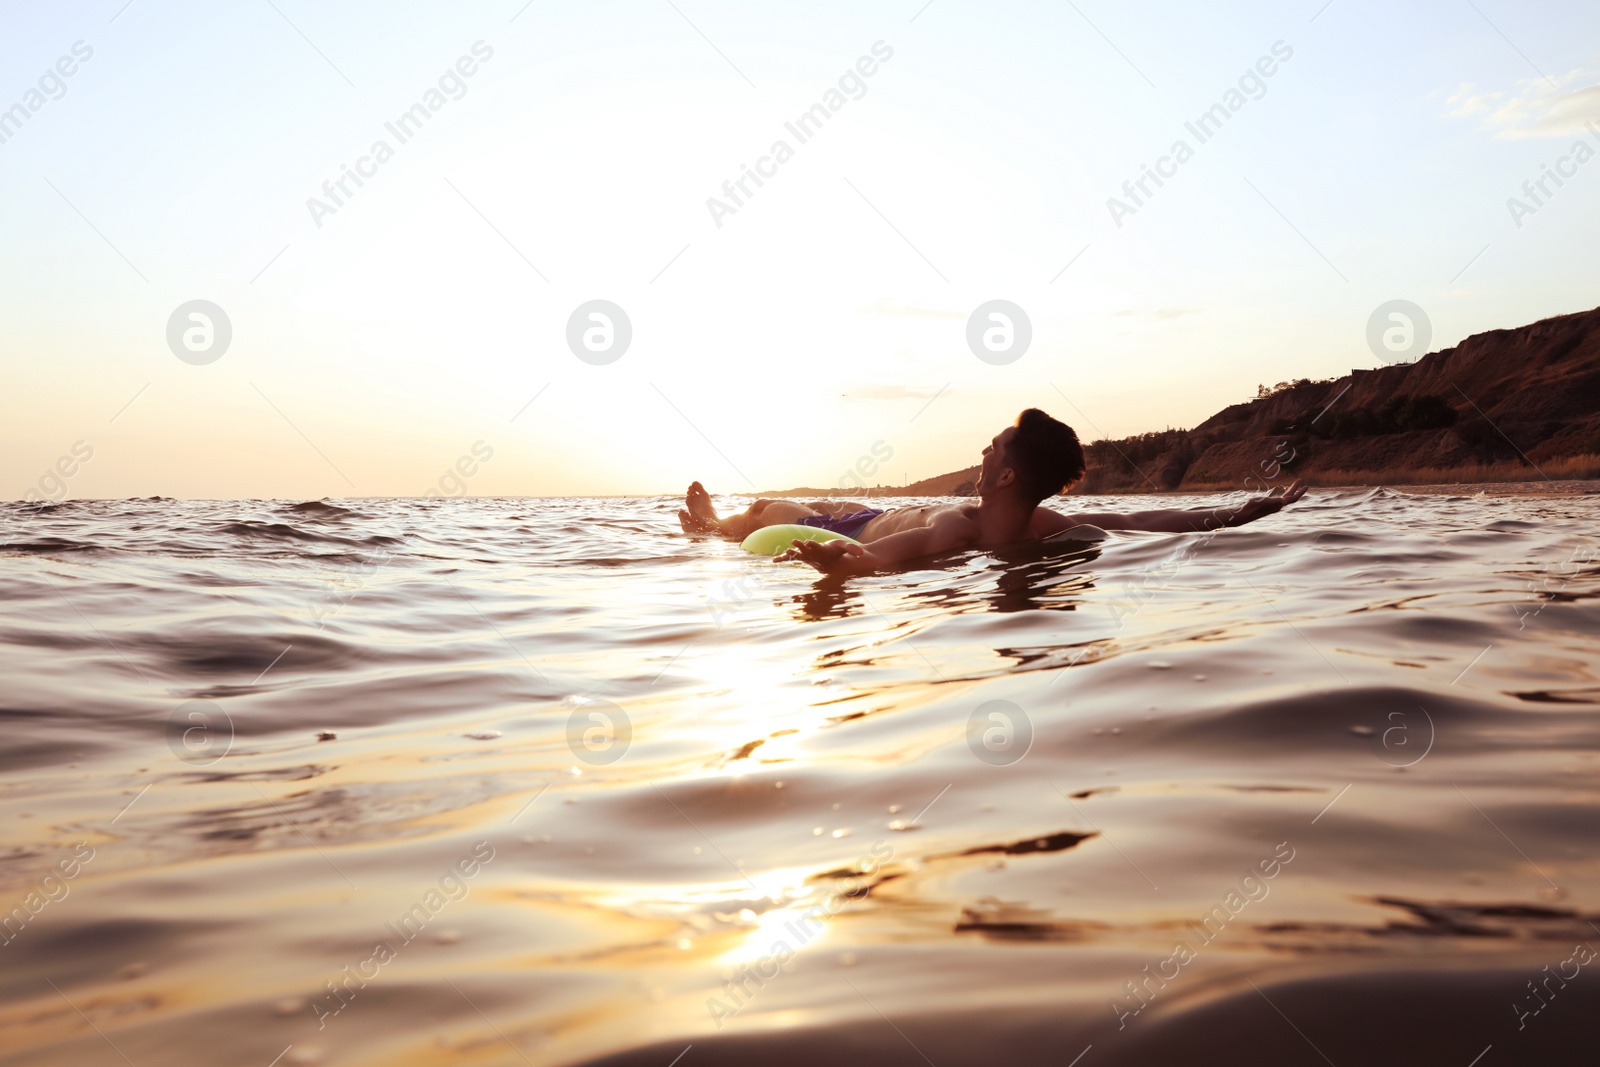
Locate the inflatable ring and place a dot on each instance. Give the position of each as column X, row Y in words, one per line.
column 771, row 540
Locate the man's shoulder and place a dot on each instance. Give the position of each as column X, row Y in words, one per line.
column 953, row 528
column 1047, row 521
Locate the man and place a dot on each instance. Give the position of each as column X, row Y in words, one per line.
column 1025, row 464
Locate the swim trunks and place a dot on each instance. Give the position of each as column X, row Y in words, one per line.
column 848, row 525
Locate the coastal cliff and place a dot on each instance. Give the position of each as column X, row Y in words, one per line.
column 1506, row 405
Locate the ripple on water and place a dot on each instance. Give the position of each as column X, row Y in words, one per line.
column 1388, row 700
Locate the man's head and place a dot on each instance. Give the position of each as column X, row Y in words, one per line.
column 1036, row 458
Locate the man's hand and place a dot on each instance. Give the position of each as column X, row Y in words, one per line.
column 1260, row 507
column 948, row 531
column 829, row 557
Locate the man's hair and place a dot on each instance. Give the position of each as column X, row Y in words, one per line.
column 1045, row 454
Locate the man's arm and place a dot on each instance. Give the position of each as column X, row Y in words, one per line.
column 1047, row 521
column 948, row 532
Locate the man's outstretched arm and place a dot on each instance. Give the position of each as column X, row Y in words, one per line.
column 1047, row 521
column 946, row 533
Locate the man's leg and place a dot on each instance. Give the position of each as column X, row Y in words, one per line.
column 700, row 517
column 835, row 507
column 768, row 513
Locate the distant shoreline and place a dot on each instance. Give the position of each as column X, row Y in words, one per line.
column 1532, row 486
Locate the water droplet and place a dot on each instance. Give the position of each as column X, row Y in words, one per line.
column 842, row 832
column 816, row 831
column 482, row 735
column 1362, row 731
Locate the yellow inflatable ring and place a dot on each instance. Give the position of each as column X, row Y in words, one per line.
column 771, row 540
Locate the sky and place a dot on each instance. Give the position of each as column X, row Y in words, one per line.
column 410, row 333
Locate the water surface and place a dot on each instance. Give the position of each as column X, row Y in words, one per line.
column 518, row 781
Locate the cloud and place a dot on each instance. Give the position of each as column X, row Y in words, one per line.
column 1159, row 314
column 885, row 306
column 891, row 392
column 1537, row 107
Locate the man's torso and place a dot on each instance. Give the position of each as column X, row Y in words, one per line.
column 909, row 518
column 1045, row 521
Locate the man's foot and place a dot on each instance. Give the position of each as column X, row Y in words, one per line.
column 700, row 517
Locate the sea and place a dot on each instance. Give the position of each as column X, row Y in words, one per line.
column 549, row 782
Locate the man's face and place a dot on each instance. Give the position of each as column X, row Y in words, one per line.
column 994, row 461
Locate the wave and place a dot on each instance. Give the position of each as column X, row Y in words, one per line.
column 989, row 792
column 281, row 531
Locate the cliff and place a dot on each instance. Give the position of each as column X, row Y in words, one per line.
column 1516, row 404
column 1520, row 399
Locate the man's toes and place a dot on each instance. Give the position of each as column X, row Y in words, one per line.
column 699, row 502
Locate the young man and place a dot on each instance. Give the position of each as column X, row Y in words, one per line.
column 1025, row 463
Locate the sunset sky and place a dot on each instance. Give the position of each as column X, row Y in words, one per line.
column 377, row 339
